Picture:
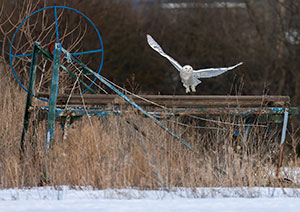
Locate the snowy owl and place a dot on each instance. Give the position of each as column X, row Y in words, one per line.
column 189, row 76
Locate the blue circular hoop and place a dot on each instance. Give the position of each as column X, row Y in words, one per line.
column 57, row 38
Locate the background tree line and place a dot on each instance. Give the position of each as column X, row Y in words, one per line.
column 264, row 34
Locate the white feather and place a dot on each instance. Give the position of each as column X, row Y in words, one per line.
column 213, row 72
column 157, row 48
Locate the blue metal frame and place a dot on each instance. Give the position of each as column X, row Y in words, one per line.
column 53, row 95
column 57, row 39
column 52, row 110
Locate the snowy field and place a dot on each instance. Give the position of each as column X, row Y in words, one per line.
column 201, row 199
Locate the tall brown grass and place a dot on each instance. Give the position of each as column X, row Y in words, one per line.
column 131, row 151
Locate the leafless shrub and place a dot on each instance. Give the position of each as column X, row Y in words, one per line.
column 131, row 151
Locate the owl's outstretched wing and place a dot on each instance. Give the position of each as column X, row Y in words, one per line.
column 157, row 48
column 213, row 72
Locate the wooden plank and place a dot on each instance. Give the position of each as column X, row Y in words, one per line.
column 263, row 114
column 190, row 101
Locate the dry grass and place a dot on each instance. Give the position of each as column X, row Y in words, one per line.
column 110, row 152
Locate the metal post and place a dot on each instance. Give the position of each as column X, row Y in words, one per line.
column 247, row 128
column 30, row 93
column 283, row 134
column 53, row 96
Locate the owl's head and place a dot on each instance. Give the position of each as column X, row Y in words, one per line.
column 187, row 68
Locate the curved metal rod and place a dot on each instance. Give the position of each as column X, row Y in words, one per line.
column 19, row 28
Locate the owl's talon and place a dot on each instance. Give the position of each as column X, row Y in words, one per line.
column 193, row 89
column 187, row 90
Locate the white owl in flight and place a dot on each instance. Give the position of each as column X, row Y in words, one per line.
column 189, row 77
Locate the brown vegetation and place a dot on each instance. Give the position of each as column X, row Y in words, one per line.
column 112, row 152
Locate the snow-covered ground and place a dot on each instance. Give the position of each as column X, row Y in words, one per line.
column 180, row 199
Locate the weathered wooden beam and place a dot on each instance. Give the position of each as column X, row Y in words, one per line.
column 264, row 114
column 190, row 101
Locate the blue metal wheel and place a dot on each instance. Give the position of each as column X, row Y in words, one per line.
column 55, row 24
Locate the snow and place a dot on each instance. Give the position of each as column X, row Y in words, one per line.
column 223, row 204
column 180, row 199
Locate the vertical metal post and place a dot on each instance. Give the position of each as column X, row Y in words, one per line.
column 283, row 134
column 53, row 96
column 247, row 128
column 30, row 93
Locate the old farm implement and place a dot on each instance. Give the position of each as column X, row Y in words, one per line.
column 59, row 76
